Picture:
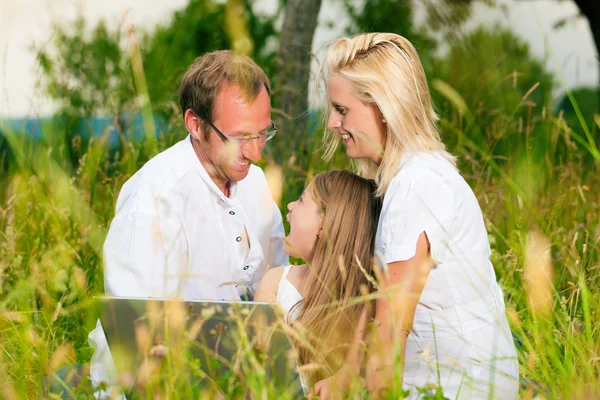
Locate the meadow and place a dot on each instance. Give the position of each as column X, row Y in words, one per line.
column 533, row 169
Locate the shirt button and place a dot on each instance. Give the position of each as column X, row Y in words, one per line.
column 238, row 239
column 246, row 267
column 231, row 213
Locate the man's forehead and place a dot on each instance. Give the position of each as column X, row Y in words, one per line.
column 243, row 95
column 236, row 114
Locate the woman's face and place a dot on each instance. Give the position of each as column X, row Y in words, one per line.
column 305, row 224
column 360, row 125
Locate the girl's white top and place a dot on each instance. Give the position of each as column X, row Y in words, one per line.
column 288, row 296
column 460, row 328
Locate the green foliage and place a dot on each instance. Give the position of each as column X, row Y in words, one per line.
column 194, row 30
column 493, row 70
column 504, row 93
column 390, row 16
column 588, row 100
column 87, row 73
column 90, row 73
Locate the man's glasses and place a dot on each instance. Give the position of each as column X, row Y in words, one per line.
column 262, row 138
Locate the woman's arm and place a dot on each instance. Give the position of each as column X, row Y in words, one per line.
column 398, row 296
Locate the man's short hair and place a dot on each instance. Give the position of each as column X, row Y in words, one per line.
column 200, row 84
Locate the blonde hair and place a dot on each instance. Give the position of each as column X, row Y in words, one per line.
column 384, row 69
column 339, row 269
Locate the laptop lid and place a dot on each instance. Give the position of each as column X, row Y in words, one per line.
column 223, row 346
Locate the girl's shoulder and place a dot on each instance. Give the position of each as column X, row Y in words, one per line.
column 295, row 274
column 267, row 289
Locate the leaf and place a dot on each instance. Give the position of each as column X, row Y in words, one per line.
column 451, row 94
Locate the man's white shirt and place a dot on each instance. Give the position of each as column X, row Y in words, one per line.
column 176, row 235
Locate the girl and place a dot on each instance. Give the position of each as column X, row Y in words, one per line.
column 440, row 315
column 332, row 227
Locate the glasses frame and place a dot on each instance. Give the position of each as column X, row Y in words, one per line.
column 271, row 132
column 243, row 142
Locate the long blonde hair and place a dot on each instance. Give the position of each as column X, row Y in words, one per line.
column 384, row 69
column 338, row 270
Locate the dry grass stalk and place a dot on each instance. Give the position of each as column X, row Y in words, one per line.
column 539, row 273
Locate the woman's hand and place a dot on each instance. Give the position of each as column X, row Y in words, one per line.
column 333, row 387
column 322, row 390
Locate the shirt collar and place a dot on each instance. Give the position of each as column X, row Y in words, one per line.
column 193, row 158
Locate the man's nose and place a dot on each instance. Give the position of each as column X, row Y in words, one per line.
column 252, row 151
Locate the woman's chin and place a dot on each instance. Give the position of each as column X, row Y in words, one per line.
column 354, row 154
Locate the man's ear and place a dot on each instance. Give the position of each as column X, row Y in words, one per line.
column 193, row 124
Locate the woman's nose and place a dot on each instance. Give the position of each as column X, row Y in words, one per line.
column 333, row 122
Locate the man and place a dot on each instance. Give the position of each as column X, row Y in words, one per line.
column 198, row 220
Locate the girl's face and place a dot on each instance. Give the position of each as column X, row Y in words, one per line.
column 360, row 125
column 305, row 225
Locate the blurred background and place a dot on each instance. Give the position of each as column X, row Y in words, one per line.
column 555, row 31
column 88, row 93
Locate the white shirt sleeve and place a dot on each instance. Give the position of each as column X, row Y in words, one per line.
column 144, row 256
column 102, row 366
column 421, row 202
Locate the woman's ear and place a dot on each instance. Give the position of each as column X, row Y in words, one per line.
column 381, row 117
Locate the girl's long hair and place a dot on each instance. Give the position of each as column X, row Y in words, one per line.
column 339, row 271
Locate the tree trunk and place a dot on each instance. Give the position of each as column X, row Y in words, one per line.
column 291, row 84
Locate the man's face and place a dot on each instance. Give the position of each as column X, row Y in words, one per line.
column 235, row 118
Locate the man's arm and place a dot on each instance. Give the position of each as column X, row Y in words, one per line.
column 144, row 256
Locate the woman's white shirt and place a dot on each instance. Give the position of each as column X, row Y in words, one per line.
column 429, row 195
column 460, row 338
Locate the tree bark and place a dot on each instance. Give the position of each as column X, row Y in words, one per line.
column 291, row 84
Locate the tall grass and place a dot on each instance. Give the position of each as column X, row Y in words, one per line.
column 542, row 213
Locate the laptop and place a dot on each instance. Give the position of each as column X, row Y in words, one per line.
column 219, row 346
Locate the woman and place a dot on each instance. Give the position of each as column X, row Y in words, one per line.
column 332, row 227
column 440, row 318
